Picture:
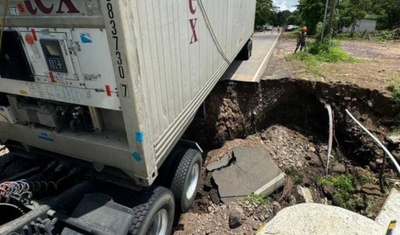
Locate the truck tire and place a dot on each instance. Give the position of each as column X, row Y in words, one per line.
column 155, row 215
column 246, row 51
column 186, row 179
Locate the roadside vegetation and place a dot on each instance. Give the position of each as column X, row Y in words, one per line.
column 320, row 52
column 326, row 50
column 343, row 185
column 294, row 173
column 395, row 88
column 258, row 199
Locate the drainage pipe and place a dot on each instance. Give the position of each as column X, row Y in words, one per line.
column 396, row 164
column 328, row 107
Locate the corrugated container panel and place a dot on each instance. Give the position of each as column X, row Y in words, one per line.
column 175, row 67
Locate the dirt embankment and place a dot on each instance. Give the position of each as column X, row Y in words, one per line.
column 286, row 115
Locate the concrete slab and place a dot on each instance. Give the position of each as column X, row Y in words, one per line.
column 390, row 210
column 218, row 164
column 252, row 170
column 319, row 219
column 252, row 69
column 305, row 193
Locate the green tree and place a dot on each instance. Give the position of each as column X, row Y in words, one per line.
column 292, row 19
column 352, row 11
column 389, row 12
column 263, row 12
column 310, row 13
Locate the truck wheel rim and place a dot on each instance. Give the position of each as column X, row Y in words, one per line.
column 193, row 180
column 159, row 224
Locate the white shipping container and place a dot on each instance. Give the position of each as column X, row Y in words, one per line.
column 142, row 67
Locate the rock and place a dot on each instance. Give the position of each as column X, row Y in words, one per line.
column 396, row 154
column 276, row 207
column 358, row 188
column 311, row 149
column 347, row 98
column 263, row 136
column 315, row 161
column 372, row 165
column 235, row 217
column 215, row 197
column 379, row 161
column 339, row 168
column 299, row 165
column 305, row 193
column 329, row 190
column 371, row 189
column 307, row 181
column 394, row 139
column 255, row 227
column 218, row 164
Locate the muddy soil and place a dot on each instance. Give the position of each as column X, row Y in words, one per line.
column 286, row 115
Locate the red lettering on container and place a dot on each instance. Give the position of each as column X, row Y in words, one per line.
column 29, row 7
column 21, row 8
column 192, row 10
column 193, row 27
column 193, row 22
column 71, row 7
column 49, row 9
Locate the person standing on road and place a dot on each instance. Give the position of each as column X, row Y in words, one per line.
column 279, row 29
column 301, row 39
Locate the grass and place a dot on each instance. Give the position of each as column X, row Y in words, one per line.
column 344, row 187
column 259, row 199
column 320, row 52
column 292, row 171
column 395, row 88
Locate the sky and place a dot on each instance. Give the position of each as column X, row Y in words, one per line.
column 286, row 4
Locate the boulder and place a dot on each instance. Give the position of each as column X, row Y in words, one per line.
column 371, row 189
column 339, row 168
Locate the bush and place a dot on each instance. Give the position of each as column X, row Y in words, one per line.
column 344, row 187
column 328, row 50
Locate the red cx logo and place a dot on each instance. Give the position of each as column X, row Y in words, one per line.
column 193, row 27
column 193, row 22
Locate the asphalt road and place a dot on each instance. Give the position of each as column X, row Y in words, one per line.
column 252, row 69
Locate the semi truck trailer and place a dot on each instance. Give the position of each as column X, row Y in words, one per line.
column 95, row 96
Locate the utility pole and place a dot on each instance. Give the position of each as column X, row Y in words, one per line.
column 325, row 14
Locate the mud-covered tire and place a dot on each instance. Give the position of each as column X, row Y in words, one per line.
column 186, row 179
column 246, row 51
column 155, row 212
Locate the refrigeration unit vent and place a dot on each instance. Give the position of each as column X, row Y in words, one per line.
column 13, row 61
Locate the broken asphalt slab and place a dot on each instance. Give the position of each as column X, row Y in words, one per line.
column 250, row 171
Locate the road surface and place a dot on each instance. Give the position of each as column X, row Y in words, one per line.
column 252, row 69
